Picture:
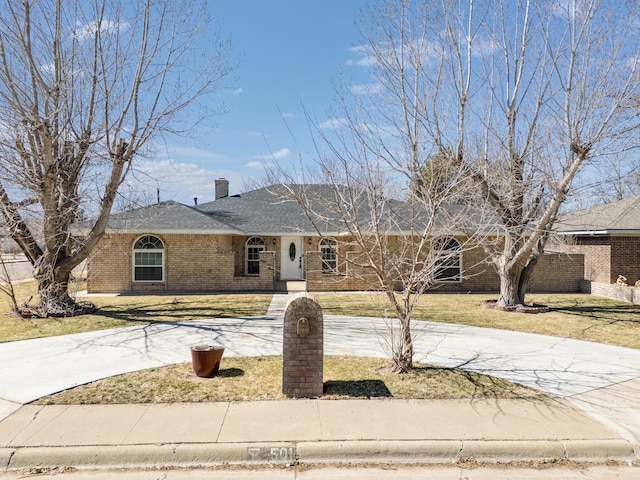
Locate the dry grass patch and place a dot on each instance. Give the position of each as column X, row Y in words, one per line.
column 577, row 316
column 23, row 291
column 260, row 378
column 180, row 308
column 129, row 310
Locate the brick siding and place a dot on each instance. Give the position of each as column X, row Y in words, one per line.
column 558, row 273
column 597, row 257
column 606, row 257
column 191, row 263
column 555, row 272
column 216, row 263
column 625, row 259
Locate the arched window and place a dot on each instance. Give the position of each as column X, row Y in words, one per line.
column 254, row 246
column 329, row 255
column 448, row 261
column 148, row 259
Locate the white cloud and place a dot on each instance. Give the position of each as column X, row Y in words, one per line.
column 332, row 123
column 483, row 47
column 254, row 165
column 366, row 88
column 237, row 91
column 288, row 115
column 89, row 30
column 279, row 155
column 179, row 181
column 260, row 165
column 48, row 68
column 365, row 60
column 420, row 48
column 187, row 154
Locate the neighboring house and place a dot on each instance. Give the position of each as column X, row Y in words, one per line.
column 259, row 239
column 609, row 238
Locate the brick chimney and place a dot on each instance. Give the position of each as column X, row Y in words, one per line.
column 222, row 188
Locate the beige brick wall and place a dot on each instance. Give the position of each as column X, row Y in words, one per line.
column 558, row 272
column 206, row 263
column 555, row 272
column 625, row 259
column 192, row 263
column 109, row 265
column 607, row 257
column 597, row 257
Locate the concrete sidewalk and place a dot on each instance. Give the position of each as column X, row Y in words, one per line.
column 597, row 415
column 309, row 431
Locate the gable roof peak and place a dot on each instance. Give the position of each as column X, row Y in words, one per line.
column 622, row 216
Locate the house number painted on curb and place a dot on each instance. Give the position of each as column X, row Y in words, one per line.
column 272, row 454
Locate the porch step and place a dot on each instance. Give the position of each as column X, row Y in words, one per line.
column 291, row 286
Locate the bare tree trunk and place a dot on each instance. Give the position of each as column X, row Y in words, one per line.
column 85, row 87
column 54, row 295
column 53, row 289
column 403, row 356
column 527, row 271
column 509, row 298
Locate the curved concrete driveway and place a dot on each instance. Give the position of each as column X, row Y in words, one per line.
column 599, row 379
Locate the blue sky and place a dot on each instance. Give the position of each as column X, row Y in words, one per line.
column 292, row 52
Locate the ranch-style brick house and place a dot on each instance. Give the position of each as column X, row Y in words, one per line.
column 259, row 240
column 609, row 238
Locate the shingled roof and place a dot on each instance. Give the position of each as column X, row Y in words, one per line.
column 271, row 211
column 266, row 211
column 275, row 210
column 167, row 217
column 621, row 217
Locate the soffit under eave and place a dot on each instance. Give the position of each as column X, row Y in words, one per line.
column 594, row 233
column 283, row 234
column 171, row 231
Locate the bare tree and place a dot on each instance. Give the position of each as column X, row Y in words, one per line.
column 520, row 95
column 614, row 178
column 398, row 247
column 387, row 204
column 85, row 87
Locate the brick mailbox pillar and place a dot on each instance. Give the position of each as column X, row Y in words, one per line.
column 302, row 348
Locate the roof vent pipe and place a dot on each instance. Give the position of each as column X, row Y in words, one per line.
column 195, row 201
column 222, row 188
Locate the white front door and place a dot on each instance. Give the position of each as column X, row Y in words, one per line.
column 291, row 255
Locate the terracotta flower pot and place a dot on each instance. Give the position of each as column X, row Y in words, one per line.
column 206, row 360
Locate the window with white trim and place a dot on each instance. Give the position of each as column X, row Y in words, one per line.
column 254, row 246
column 449, row 260
column 148, row 259
column 329, row 255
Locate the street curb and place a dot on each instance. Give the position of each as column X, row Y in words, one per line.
column 211, row 454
